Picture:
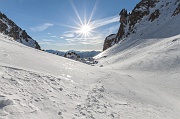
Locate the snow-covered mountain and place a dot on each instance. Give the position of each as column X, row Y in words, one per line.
column 9, row 28
column 146, row 20
column 144, row 32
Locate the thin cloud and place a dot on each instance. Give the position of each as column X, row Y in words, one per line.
column 54, row 36
column 44, row 43
column 41, row 27
column 104, row 21
column 64, row 44
column 47, row 40
column 92, row 40
column 110, row 30
column 70, row 39
column 69, row 35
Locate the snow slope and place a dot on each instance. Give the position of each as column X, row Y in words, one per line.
column 151, row 58
column 153, row 63
column 36, row 84
column 153, row 46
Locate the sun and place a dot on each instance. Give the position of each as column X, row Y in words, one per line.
column 85, row 29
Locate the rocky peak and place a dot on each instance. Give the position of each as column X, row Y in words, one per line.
column 9, row 28
column 124, row 15
column 145, row 12
column 141, row 9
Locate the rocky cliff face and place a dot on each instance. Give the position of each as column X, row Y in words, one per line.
column 109, row 41
column 145, row 13
column 9, row 28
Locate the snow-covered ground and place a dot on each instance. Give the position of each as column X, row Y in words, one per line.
column 149, row 60
column 153, row 67
column 141, row 82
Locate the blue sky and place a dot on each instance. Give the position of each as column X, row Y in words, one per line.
column 55, row 23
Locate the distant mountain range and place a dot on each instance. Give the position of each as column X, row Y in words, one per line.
column 82, row 54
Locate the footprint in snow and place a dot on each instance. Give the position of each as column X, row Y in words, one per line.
column 5, row 55
column 5, row 102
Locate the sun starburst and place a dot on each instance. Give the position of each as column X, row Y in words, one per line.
column 84, row 28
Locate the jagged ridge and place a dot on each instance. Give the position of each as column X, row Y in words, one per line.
column 150, row 10
column 9, row 28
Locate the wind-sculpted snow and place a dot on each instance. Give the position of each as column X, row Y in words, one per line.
column 27, row 94
column 34, row 94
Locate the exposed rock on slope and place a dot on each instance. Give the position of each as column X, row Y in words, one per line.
column 9, row 28
column 145, row 13
column 71, row 55
column 177, row 11
column 109, row 41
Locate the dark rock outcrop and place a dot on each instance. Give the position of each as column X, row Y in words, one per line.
column 9, row 28
column 72, row 55
column 123, row 20
column 177, row 10
column 154, row 15
column 109, row 41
